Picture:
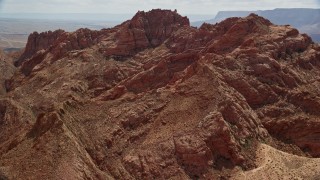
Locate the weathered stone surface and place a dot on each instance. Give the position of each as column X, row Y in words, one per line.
column 38, row 41
column 154, row 98
column 6, row 70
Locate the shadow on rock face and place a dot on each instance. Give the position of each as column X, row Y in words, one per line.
column 3, row 177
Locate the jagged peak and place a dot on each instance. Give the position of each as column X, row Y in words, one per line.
column 159, row 17
column 158, row 24
column 161, row 13
column 37, row 41
column 36, row 33
column 252, row 23
column 258, row 18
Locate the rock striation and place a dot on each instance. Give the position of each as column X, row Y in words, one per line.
column 6, row 70
column 154, row 98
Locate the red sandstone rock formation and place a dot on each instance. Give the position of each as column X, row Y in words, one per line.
column 6, row 70
column 156, row 98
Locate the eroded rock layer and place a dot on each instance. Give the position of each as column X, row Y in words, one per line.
column 154, row 98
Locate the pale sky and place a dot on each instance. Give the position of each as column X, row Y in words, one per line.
column 132, row 6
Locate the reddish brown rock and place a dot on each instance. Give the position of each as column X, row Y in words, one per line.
column 237, row 32
column 154, row 98
column 38, row 42
column 193, row 153
column 145, row 29
column 6, row 70
column 300, row 130
column 158, row 25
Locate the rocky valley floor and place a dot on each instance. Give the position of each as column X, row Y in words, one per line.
column 154, row 98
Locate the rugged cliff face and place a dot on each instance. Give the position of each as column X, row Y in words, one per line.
column 154, row 98
column 6, row 70
column 306, row 20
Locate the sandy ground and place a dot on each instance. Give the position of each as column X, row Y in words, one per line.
column 275, row 164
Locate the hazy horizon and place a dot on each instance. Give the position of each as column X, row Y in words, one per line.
column 184, row 7
column 90, row 16
column 118, row 11
column 106, row 17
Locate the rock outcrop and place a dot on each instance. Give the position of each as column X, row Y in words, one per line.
column 6, row 71
column 154, row 98
column 145, row 29
column 38, row 41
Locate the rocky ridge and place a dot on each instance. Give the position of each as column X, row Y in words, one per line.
column 156, row 98
column 7, row 70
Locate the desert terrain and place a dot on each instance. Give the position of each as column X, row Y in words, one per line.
column 14, row 31
column 155, row 98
